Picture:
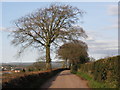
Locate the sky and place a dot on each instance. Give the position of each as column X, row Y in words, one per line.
column 100, row 23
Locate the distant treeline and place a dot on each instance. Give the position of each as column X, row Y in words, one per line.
column 33, row 66
column 38, row 66
column 104, row 70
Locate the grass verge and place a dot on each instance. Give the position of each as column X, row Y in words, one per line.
column 92, row 83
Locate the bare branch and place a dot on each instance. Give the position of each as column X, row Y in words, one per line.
column 45, row 26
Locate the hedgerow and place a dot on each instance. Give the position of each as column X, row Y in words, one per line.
column 104, row 70
column 29, row 80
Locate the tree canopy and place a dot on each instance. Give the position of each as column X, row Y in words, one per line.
column 47, row 26
column 75, row 52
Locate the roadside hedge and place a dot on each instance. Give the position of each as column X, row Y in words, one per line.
column 104, row 70
column 30, row 80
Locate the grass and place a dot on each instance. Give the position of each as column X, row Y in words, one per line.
column 92, row 83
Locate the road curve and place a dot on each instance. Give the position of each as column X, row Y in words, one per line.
column 65, row 80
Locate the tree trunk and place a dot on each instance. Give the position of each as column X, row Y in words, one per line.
column 48, row 59
column 66, row 62
column 69, row 65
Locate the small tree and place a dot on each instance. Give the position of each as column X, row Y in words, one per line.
column 75, row 52
column 46, row 26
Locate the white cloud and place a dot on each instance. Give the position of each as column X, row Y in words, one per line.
column 2, row 29
column 111, row 45
column 114, row 26
column 113, row 9
column 99, row 48
column 5, row 29
column 103, row 47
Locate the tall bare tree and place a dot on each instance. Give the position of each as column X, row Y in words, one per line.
column 47, row 26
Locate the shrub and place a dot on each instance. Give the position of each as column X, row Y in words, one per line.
column 103, row 70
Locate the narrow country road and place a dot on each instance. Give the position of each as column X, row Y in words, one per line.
column 65, row 80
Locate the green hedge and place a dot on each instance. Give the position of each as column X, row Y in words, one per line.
column 104, row 70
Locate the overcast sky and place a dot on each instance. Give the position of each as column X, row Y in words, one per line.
column 100, row 23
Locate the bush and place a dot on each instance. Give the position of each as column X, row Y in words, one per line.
column 74, row 68
column 103, row 70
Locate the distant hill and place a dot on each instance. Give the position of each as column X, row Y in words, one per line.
column 56, row 64
column 24, row 64
column 17, row 64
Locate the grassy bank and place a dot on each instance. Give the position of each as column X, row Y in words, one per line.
column 92, row 83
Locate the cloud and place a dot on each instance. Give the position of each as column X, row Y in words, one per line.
column 2, row 29
column 112, row 27
column 103, row 47
column 113, row 10
column 99, row 48
column 5, row 29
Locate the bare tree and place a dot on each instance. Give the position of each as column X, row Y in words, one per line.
column 47, row 26
column 75, row 52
